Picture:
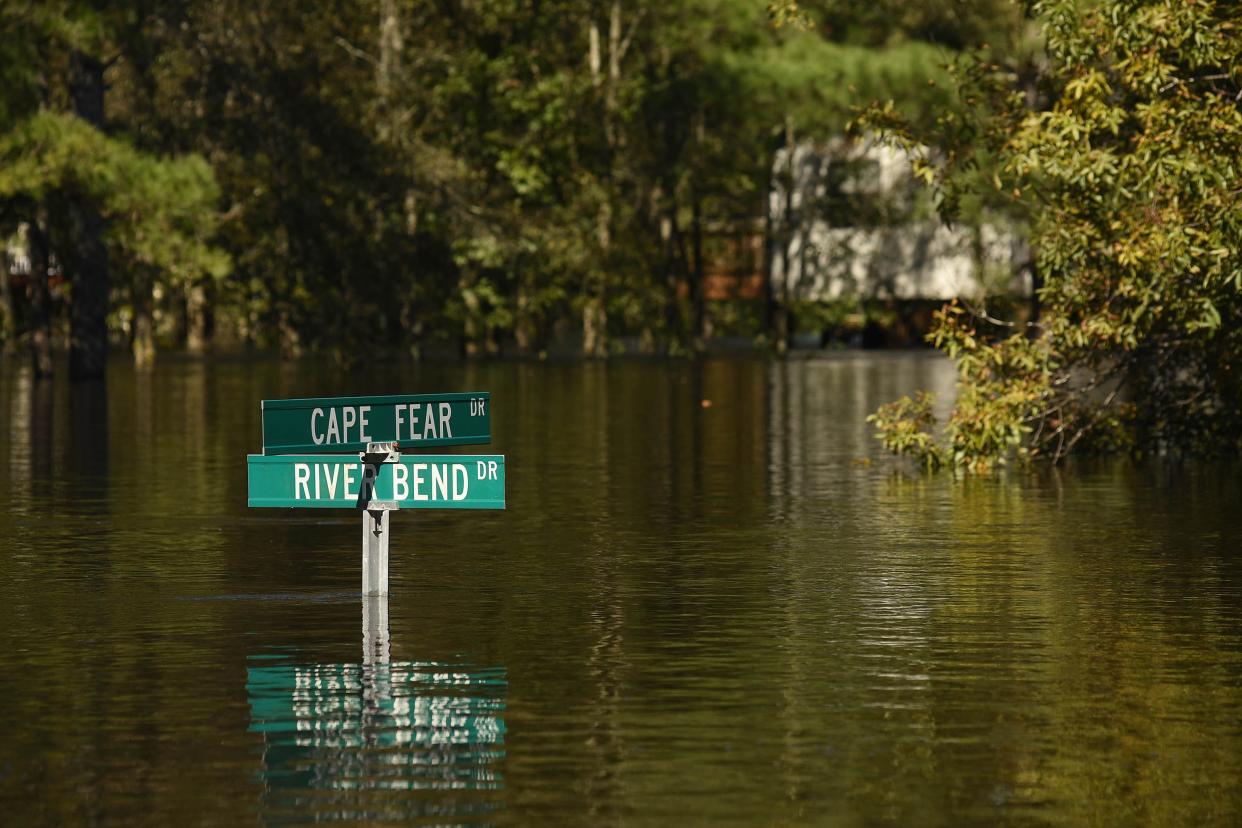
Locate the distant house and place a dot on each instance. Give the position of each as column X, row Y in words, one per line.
column 733, row 266
column 17, row 263
column 848, row 220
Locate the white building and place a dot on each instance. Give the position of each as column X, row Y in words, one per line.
column 850, row 221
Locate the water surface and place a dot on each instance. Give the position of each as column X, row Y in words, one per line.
column 711, row 600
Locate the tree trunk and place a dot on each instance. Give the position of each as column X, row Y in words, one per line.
column 670, row 240
column 142, row 301
column 40, row 299
column 780, row 233
column 594, row 310
column 672, row 311
column 413, row 325
column 594, row 320
column 197, row 325
column 524, row 325
column 88, row 326
column 290, row 342
column 7, row 326
column 472, row 324
column 698, row 295
column 607, row 85
column 388, row 65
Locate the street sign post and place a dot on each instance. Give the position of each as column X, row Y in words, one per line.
column 325, row 425
column 346, row 453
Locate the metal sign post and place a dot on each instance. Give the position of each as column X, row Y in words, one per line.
column 375, row 642
column 375, row 521
column 377, row 480
column 375, row 551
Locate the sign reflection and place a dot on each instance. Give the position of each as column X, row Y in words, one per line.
column 377, row 739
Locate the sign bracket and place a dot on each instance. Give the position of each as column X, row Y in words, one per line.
column 376, row 523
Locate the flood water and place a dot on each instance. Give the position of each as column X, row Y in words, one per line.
column 711, row 600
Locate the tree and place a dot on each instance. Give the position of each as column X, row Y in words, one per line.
column 1132, row 178
column 89, row 195
column 160, row 212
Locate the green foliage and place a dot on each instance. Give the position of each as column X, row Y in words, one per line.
column 393, row 174
column 1131, row 176
column 905, row 425
column 160, row 212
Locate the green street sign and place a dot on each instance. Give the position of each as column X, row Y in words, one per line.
column 347, row 424
column 433, row 481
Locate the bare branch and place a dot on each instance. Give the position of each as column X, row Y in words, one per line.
column 354, row 50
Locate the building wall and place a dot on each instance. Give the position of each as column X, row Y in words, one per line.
column 847, row 223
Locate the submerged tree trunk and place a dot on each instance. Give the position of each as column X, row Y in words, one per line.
column 142, row 301
column 780, row 235
column 40, row 299
column 7, row 326
column 290, row 342
column 88, row 327
column 594, row 319
column 413, row 326
column 595, row 308
column 673, row 244
column 197, row 323
column 524, row 329
column 672, row 302
column 607, row 83
column 594, row 311
column 594, row 323
column 698, row 296
column 472, row 322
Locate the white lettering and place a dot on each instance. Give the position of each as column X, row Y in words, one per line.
column 397, row 411
column 349, row 417
column 429, row 424
column 419, row 468
column 480, row 471
column 315, row 435
column 414, row 435
column 350, row 470
column 362, row 424
column 400, row 481
column 318, row 474
column 301, row 480
column 492, row 468
column 460, row 475
column 334, row 431
column 331, row 475
column 446, row 413
column 368, row 482
column 439, row 482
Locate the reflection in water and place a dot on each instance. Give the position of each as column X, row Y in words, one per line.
column 363, row 740
column 88, row 406
column 728, row 613
column 40, row 432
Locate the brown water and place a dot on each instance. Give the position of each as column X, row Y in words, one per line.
column 729, row 614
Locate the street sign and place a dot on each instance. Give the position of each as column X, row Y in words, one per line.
column 346, row 453
column 321, row 425
column 431, row 481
